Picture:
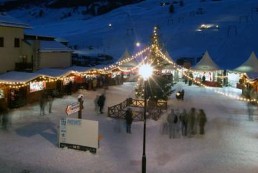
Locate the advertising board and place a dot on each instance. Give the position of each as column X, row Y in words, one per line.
column 78, row 134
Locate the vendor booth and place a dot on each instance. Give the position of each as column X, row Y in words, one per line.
column 207, row 72
column 57, row 86
column 248, row 75
column 127, row 68
column 22, row 87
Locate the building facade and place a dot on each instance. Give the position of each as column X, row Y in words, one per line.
column 11, row 36
column 22, row 52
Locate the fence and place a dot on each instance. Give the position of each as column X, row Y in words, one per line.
column 154, row 109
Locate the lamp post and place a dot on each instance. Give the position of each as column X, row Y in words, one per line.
column 145, row 71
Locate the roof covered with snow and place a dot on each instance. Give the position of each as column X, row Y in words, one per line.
column 54, row 72
column 53, row 46
column 206, row 64
column 124, row 60
column 14, row 76
column 80, row 68
column 249, row 66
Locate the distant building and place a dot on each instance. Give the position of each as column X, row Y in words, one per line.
column 22, row 52
column 11, row 36
column 46, row 52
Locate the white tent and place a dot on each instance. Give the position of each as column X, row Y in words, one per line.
column 206, row 69
column 206, row 64
column 170, row 66
column 125, row 64
column 249, row 66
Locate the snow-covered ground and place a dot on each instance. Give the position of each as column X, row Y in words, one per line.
column 229, row 145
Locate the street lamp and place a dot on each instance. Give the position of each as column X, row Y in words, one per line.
column 145, row 71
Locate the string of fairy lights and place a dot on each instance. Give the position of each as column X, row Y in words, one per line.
column 180, row 68
column 118, row 65
column 89, row 73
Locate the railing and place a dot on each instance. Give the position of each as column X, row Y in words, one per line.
column 154, row 109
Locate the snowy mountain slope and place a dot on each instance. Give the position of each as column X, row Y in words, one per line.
column 112, row 33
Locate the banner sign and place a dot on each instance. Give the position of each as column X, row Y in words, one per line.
column 78, row 134
column 72, row 108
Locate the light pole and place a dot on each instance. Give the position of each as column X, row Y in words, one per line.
column 145, row 71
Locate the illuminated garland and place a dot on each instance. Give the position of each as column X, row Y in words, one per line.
column 178, row 67
column 113, row 66
column 154, row 46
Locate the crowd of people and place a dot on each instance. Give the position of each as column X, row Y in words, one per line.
column 183, row 123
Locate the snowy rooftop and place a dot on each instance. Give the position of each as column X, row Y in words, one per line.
column 15, row 76
column 53, row 72
column 52, row 46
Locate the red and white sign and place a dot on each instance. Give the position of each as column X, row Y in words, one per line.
column 72, row 108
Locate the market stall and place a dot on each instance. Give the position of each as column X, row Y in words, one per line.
column 22, row 87
column 207, row 72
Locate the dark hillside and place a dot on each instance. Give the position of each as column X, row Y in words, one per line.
column 101, row 6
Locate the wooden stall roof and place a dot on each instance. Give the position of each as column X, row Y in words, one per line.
column 54, row 72
column 14, row 76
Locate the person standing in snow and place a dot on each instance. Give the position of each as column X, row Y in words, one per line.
column 182, row 94
column 4, row 115
column 42, row 103
column 251, row 108
column 96, row 102
column 202, row 121
column 164, row 123
column 101, row 102
column 191, row 120
column 94, row 84
column 128, row 120
column 171, row 124
column 50, row 103
column 183, row 118
column 81, row 101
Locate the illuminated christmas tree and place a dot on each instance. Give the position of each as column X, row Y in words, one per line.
column 159, row 85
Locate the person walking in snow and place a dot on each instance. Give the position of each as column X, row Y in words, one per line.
column 202, row 121
column 128, row 120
